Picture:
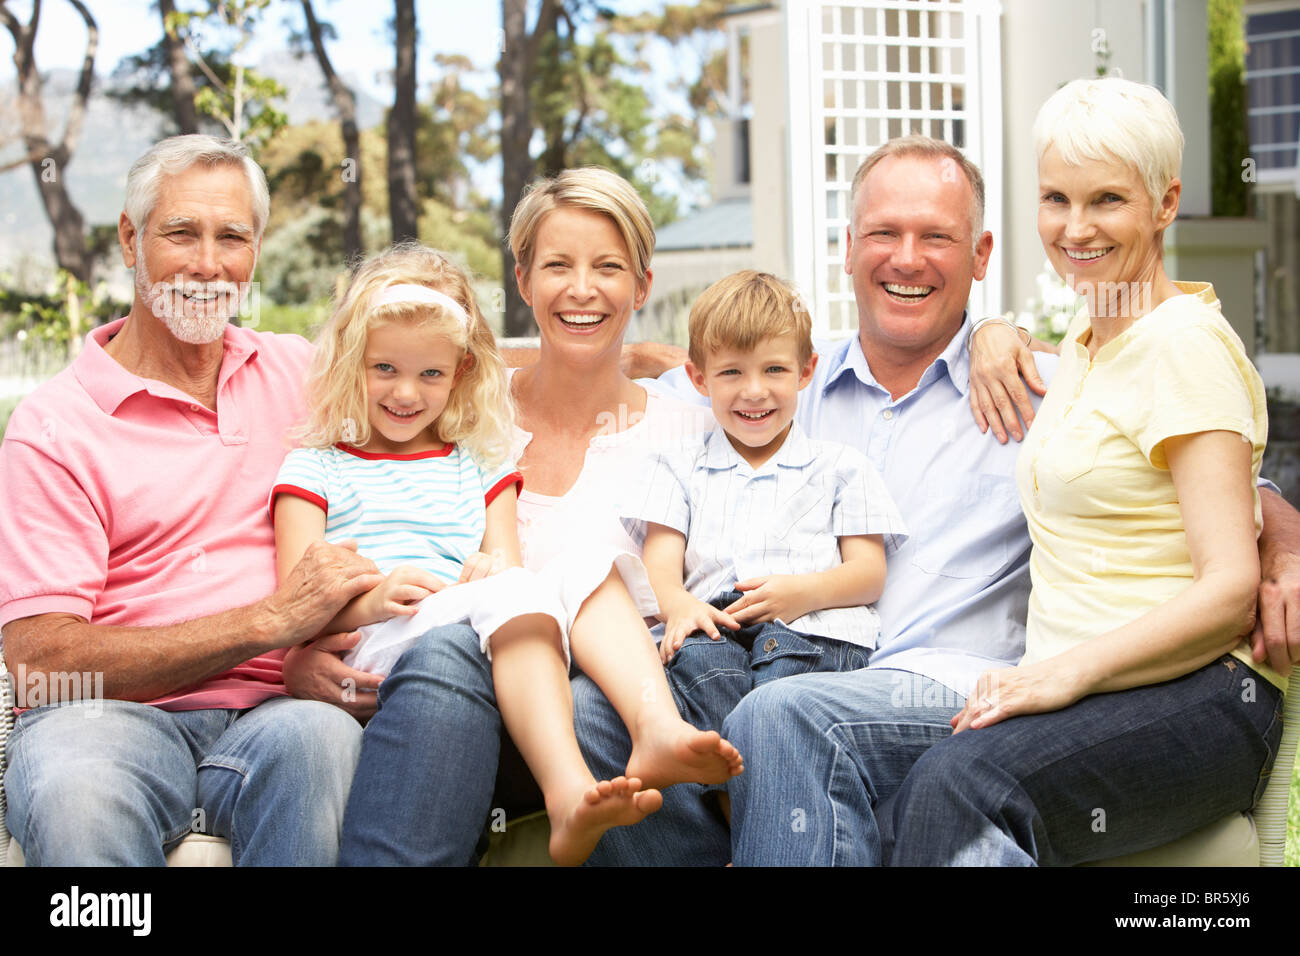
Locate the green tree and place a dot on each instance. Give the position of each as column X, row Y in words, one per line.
column 403, row 208
column 1229, row 137
column 47, row 158
column 196, row 71
column 576, row 80
column 182, row 86
column 345, row 106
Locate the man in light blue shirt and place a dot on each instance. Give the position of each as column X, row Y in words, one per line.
column 821, row 751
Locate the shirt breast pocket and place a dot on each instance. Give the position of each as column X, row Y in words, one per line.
column 973, row 526
column 799, row 520
column 1071, row 452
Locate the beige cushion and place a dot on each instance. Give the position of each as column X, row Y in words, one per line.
column 197, row 849
column 1231, row 841
column 525, row 842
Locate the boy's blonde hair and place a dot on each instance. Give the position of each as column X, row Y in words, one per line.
column 478, row 414
column 742, row 310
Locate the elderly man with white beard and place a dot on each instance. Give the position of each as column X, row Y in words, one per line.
column 135, row 545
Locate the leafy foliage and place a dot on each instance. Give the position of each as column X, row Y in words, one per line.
column 590, row 101
column 1229, row 138
column 43, row 317
column 238, row 100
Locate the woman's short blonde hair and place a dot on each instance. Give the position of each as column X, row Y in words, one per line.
column 478, row 414
column 742, row 310
column 594, row 189
column 1112, row 119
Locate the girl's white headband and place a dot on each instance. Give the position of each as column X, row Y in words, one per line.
column 408, row 292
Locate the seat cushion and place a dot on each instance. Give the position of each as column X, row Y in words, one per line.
column 197, row 849
column 1231, row 841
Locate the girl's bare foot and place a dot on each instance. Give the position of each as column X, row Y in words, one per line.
column 577, row 824
column 665, row 752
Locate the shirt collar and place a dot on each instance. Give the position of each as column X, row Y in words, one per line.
column 109, row 384
column 795, row 452
column 1202, row 290
column 954, row 361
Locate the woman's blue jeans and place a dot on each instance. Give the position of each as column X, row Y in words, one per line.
column 1112, row 774
column 422, row 792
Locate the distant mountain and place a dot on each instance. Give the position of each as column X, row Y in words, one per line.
column 112, row 138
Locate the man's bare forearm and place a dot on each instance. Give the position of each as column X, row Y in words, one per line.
column 141, row 663
column 650, row 359
column 1281, row 533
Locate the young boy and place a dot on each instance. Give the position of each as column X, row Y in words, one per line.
column 754, row 528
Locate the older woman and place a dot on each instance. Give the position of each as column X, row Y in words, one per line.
column 423, row 788
column 1137, row 714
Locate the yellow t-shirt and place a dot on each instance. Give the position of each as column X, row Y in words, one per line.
column 1109, row 542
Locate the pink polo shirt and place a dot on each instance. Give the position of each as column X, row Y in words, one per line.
column 126, row 502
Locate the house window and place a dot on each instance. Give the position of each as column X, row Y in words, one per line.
column 1273, row 90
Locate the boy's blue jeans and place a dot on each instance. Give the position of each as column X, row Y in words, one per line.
column 707, row 679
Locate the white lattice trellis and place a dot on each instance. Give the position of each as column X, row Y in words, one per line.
column 860, row 73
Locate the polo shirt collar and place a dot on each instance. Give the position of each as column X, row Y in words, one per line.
column 795, row 452
column 953, row 361
column 109, row 384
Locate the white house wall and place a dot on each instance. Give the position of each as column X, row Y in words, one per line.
column 1045, row 44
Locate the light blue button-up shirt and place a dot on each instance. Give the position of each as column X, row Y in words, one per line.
column 956, row 594
column 784, row 517
column 957, row 589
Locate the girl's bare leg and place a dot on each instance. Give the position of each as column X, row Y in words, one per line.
column 612, row 646
column 532, row 691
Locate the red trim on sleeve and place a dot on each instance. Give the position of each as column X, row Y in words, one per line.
column 297, row 492
column 514, row 478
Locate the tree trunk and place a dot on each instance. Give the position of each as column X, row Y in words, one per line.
column 515, row 69
column 516, row 163
column 403, row 210
column 345, row 104
column 49, row 161
column 187, row 119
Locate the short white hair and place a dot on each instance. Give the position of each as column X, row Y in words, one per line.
column 1112, row 119
column 178, row 153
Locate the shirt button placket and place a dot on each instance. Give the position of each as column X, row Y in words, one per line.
column 880, row 435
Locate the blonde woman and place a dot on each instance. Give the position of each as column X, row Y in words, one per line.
column 582, row 242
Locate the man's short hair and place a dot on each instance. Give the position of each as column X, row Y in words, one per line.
column 927, row 148
column 178, row 153
column 1111, row 119
column 742, row 310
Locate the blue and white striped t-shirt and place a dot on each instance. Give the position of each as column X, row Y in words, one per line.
column 428, row 509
